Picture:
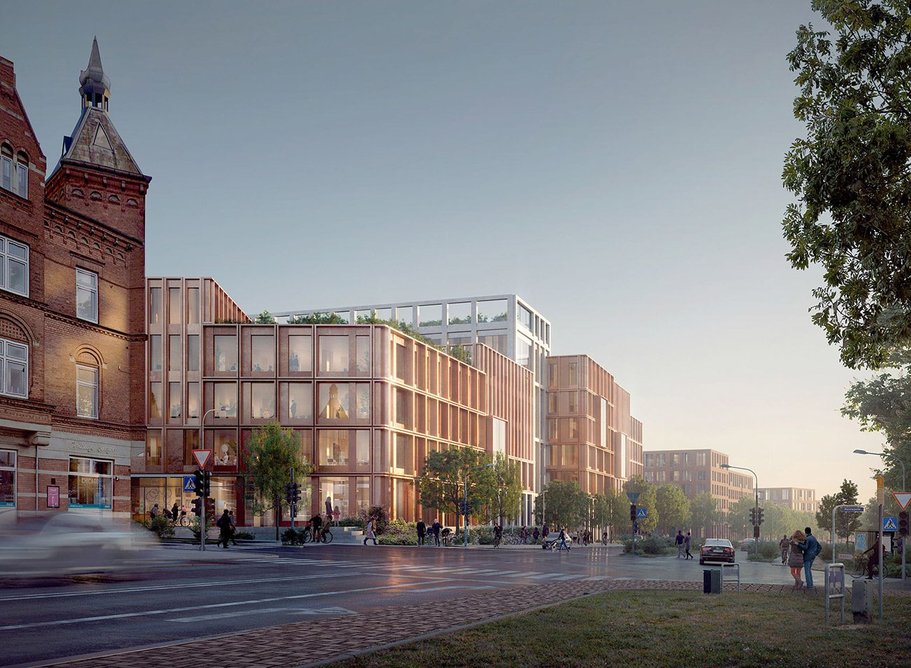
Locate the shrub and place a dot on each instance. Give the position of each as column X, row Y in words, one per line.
column 194, row 526
column 161, row 526
column 244, row 535
column 380, row 517
column 352, row 522
column 768, row 551
column 399, row 532
column 481, row 535
column 649, row 544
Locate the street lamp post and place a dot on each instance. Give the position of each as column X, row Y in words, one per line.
column 756, row 502
column 904, row 489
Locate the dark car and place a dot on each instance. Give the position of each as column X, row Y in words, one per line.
column 716, row 549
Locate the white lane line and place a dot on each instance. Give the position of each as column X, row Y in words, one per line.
column 568, row 577
column 598, row 578
column 529, row 574
column 228, row 615
column 213, row 606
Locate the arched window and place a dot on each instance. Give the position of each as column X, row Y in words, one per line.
column 88, row 378
column 13, row 171
column 13, row 360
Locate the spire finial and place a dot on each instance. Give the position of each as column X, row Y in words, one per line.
column 95, row 86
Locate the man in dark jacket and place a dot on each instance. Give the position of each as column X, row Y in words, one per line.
column 422, row 531
column 811, row 548
column 224, row 529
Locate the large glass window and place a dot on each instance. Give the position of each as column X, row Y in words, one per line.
column 460, row 314
column 263, row 353
column 334, row 401
column 174, row 400
column 91, row 483
column 333, row 447
column 7, row 478
column 13, row 369
column 13, row 266
column 430, row 315
column 86, row 295
column 299, row 406
column 175, row 358
column 154, row 306
column 192, row 400
column 193, row 352
column 363, row 355
column 362, row 500
column 524, row 317
column 155, row 400
column 362, row 449
column 86, row 391
column 338, row 491
column 155, row 353
column 192, row 306
column 523, row 352
column 300, row 353
column 153, row 448
column 226, row 399
column 175, row 306
column 225, row 448
column 259, row 399
column 225, row 353
column 333, row 354
column 492, row 311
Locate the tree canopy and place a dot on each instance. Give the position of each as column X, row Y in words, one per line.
column 565, row 504
column 506, row 492
column 850, row 174
column 845, row 523
column 703, row 514
column 673, row 509
column 648, row 499
column 446, row 473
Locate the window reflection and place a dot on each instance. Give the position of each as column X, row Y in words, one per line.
column 300, row 353
column 300, row 401
column 225, row 353
column 263, row 353
column 363, row 354
column 333, row 354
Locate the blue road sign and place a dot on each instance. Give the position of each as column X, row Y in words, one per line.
column 641, row 512
column 189, row 483
column 890, row 523
column 852, row 509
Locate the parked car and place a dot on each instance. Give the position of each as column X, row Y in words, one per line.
column 716, row 549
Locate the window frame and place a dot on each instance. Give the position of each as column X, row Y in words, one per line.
column 6, row 258
column 95, row 387
column 92, row 290
column 5, row 359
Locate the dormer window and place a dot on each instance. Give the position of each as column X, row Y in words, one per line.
column 13, row 171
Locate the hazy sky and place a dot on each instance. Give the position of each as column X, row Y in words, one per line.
column 617, row 164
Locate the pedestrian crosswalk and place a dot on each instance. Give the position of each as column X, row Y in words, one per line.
column 414, row 569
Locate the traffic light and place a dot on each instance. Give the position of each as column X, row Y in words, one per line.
column 903, row 523
column 756, row 532
column 753, row 516
column 289, row 492
column 210, row 508
column 295, row 493
column 632, row 512
column 197, row 507
column 206, row 481
column 199, row 482
column 759, row 519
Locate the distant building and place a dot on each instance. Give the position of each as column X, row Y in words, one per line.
column 592, row 438
column 800, row 499
column 72, row 340
column 699, row 472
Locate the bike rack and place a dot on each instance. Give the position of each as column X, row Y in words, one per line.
column 835, row 587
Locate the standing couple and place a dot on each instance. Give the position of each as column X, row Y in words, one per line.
column 803, row 549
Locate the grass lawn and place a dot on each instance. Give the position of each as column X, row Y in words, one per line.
column 661, row 629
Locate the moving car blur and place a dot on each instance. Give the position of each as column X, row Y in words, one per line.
column 68, row 543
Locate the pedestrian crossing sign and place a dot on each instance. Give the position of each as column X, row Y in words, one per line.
column 890, row 523
column 641, row 512
column 189, row 483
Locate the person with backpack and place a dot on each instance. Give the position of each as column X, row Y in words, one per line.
column 224, row 529
column 811, row 549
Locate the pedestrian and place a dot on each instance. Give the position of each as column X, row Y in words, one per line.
column 523, row 534
column 811, row 549
column 336, row 515
column 153, row 513
column 545, row 531
column 316, row 528
column 562, row 537
column 604, row 538
column 535, row 534
column 233, row 527
column 784, row 544
column 422, row 531
column 175, row 512
column 497, row 535
column 328, row 509
column 369, row 533
column 876, row 553
column 435, row 528
column 224, row 529
column 678, row 541
column 687, row 541
column 795, row 557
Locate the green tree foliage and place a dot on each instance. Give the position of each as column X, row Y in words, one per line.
column 850, row 174
column 461, row 353
column 566, row 505
column 265, row 318
column 648, row 499
column 317, row 318
column 442, row 484
column 845, row 523
column 506, row 492
column 703, row 514
column 883, row 404
column 271, row 456
column 738, row 517
column 673, row 509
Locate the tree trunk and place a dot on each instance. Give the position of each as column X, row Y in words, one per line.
column 278, row 515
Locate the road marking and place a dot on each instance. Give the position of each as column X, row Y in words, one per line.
column 213, row 606
column 260, row 611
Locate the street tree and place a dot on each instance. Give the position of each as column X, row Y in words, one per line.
column 845, row 523
column 566, row 505
column 272, row 458
column 449, row 474
column 647, row 499
column 851, row 175
column 673, row 509
column 506, row 492
column 738, row 517
column 265, row 318
column 703, row 514
column 883, row 404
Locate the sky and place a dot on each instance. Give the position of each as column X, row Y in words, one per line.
column 617, row 164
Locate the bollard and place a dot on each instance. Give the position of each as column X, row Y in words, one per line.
column 711, row 581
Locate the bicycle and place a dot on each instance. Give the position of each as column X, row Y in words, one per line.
column 182, row 521
column 324, row 536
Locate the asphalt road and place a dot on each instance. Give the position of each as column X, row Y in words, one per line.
column 185, row 595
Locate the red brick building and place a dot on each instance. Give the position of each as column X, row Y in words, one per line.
column 72, row 327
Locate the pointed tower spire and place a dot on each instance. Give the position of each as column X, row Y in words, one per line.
column 95, row 87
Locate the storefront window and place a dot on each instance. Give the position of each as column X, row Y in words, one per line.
column 225, row 353
column 300, row 353
column 263, row 353
column 333, row 355
column 7, row 478
column 91, row 483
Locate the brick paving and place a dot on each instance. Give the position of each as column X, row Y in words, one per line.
column 293, row 644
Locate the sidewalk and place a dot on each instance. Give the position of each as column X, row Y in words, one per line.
column 292, row 644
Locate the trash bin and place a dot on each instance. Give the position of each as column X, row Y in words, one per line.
column 711, row 581
column 862, row 600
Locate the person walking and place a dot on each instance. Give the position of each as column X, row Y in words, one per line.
column 523, row 534
column 435, row 528
column 422, row 531
column 795, row 557
column 369, row 532
column 233, row 526
column 811, row 549
column 687, row 541
column 562, row 537
column 678, row 541
column 497, row 535
column 224, row 529
column 784, row 544
column 876, row 554
column 153, row 513
column 535, row 534
column 175, row 513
